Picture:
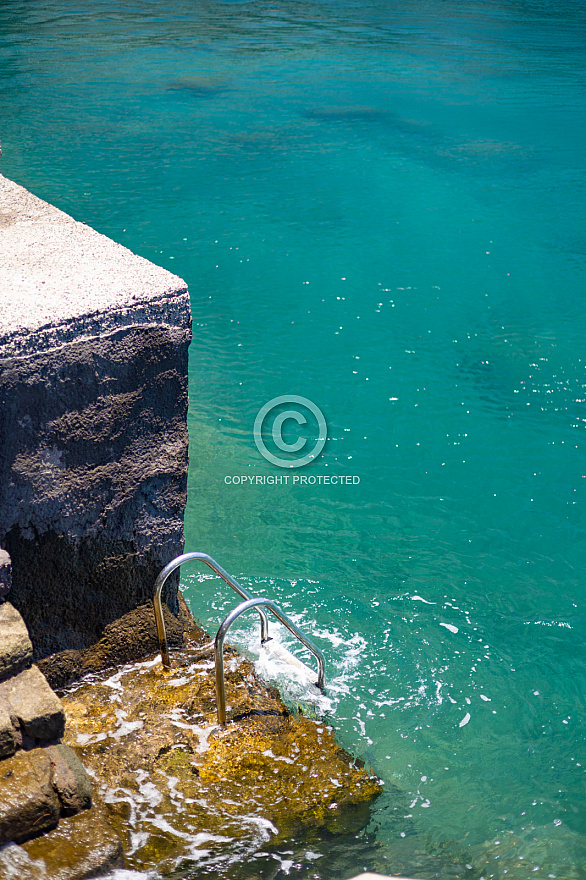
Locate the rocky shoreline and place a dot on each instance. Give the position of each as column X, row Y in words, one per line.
column 93, row 483
column 169, row 786
column 179, row 789
column 43, row 784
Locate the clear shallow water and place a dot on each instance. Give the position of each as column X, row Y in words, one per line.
column 380, row 207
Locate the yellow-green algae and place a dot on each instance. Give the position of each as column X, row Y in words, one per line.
column 175, row 785
column 81, row 846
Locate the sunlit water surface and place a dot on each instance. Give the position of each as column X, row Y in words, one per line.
column 378, row 206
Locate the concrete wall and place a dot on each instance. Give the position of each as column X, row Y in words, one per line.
column 93, row 436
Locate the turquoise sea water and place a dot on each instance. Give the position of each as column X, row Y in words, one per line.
column 378, row 206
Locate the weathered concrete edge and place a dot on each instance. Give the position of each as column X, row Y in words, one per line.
column 147, row 314
column 78, row 283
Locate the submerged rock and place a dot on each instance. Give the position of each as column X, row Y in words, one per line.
column 83, row 847
column 179, row 788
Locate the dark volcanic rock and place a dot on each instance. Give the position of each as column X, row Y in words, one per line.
column 94, row 480
column 93, row 403
column 131, row 637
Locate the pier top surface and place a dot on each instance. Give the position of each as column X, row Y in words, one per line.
column 60, row 280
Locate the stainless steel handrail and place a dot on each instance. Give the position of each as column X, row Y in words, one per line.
column 219, row 648
column 160, row 582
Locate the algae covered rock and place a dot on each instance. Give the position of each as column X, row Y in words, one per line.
column 82, row 847
column 28, row 802
column 179, row 788
column 296, row 767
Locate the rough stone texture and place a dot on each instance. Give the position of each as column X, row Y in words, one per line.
column 15, row 864
column 16, row 651
column 131, row 637
column 5, row 574
column 174, row 784
column 37, row 787
column 28, row 802
column 93, row 404
column 8, row 742
column 33, row 703
column 70, row 780
column 81, row 847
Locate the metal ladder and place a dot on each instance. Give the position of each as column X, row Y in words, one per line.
column 250, row 602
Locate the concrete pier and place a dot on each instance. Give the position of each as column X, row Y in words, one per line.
column 93, row 435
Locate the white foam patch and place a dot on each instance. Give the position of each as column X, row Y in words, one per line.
column 464, row 720
column 165, row 826
column 280, row 655
column 114, row 681
column 124, row 727
column 265, row 826
column 269, row 754
column 203, row 734
column 450, row 626
column 86, row 739
column 296, row 681
column 204, row 837
column 151, row 794
column 274, row 662
column 148, row 664
column 138, row 839
column 124, row 874
column 14, row 860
